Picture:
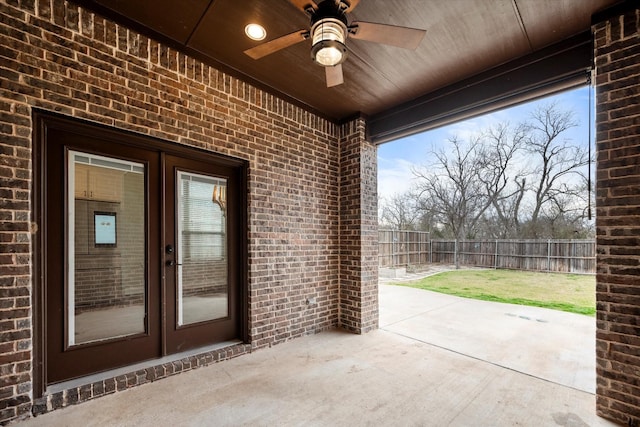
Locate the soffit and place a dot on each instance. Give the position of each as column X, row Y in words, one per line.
column 463, row 38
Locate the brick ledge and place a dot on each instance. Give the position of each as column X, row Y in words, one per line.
column 81, row 390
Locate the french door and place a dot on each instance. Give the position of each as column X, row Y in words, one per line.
column 142, row 250
column 197, row 244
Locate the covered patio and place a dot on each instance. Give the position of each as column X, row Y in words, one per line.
column 436, row 360
column 118, row 118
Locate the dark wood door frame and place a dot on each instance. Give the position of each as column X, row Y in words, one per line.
column 198, row 334
column 84, row 359
column 46, row 122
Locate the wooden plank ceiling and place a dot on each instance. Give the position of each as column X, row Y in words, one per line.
column 463, row 38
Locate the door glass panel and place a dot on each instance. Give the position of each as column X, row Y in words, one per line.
column 106, row 275
column 202, row 253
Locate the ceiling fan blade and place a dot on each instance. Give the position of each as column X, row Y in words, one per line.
column 404, row 37
column 352, row 5
column 304, row 5
column 334, row 75
column 275, row 45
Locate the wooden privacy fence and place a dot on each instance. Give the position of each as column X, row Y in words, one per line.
column 405, row 248
column 563, row 256
column 402, row 248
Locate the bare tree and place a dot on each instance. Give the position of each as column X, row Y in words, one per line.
column 501, row 177
column 525, row 180
column 451, row 190
column 557, row 177
column 400, row 212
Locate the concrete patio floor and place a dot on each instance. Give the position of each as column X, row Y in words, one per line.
column 436, row 360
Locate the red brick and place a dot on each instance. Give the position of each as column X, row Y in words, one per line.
column 85, row 66
column 618, row 80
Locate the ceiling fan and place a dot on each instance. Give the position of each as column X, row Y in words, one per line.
column 329, row 31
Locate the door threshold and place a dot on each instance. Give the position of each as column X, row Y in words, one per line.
column 141, row 366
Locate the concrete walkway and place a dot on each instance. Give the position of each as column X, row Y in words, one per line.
column 436, row 361
column 548, row 344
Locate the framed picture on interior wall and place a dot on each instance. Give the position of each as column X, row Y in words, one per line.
column 105, row 229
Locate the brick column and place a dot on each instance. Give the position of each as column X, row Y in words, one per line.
column 15, row 260
column 358, row 230
column 617, row 59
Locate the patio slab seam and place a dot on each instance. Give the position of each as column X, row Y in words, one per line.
column 485, row 361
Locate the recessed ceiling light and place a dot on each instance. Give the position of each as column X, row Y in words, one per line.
column 255, row 32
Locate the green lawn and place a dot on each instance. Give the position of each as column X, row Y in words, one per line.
column 567, row 292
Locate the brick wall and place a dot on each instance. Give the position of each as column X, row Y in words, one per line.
column 201, row 278
column 358, row 230
column 58, row 57
column 617, row 58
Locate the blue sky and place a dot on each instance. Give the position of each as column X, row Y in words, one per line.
column 396, row 158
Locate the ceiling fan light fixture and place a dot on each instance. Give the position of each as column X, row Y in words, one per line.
column 328, row 42
column 255, row 31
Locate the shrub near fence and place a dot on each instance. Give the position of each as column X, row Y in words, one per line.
column 404, row 248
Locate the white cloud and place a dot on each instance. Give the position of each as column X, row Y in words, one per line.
column 394, row 176
column 468, row 129
column 397, row 158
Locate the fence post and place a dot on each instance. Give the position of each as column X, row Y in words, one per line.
column 548, row 255
column 430, row 251
column 393, row 248
column 495, row 259
column 455, row 253
column 407, row 253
